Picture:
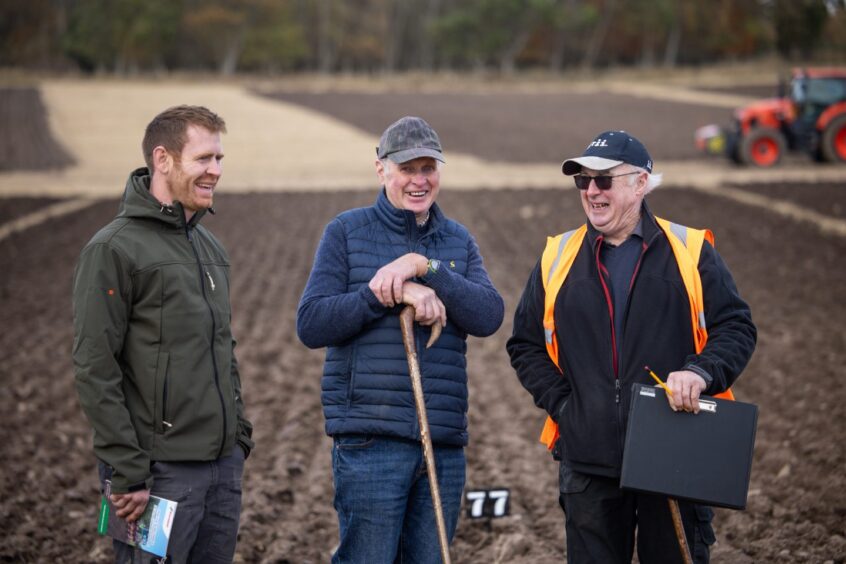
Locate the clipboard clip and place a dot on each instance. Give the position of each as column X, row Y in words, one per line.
column 707, row 405
column 704, row 404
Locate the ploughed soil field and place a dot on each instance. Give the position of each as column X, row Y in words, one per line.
column 32, row 148
column 519, row 127
column 791, row 272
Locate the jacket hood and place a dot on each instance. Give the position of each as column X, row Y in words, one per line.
column 139, row 203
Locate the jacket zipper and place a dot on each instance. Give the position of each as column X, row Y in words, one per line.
column 617, row 384
column 213, row 331
column 601, row 269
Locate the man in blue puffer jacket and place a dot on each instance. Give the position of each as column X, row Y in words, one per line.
column 370, row 263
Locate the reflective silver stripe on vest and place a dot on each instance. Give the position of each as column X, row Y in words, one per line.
column 680, row 231
column 561, row 245
column 564, row 238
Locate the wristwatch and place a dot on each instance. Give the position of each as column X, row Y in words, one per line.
column 433, row 265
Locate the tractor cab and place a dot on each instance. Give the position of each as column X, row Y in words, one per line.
column 812, row 95
column 811, row 118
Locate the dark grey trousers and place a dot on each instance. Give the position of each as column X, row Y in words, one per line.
column 601, row 520
column 205, row 527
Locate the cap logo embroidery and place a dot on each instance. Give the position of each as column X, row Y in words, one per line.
column 599, row 143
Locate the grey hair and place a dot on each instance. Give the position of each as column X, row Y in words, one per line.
column 653, row 180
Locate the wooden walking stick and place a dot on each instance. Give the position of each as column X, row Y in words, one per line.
column 679, row 527
column 674, row 505
column 407, row 324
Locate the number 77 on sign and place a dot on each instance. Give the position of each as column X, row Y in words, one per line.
column 491, row 503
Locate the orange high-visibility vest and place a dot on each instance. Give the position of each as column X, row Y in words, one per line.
column 558, row 258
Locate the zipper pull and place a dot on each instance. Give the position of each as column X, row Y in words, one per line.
column 617, row 390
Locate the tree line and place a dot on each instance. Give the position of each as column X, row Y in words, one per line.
column 275, row 36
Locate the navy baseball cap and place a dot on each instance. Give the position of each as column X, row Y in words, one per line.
column 407, row 139
column 608, row 150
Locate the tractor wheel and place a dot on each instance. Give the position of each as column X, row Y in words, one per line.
column 763, row 147
column 833, row 143
column 733, row 147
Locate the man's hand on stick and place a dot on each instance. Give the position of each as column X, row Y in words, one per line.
column 387, row 283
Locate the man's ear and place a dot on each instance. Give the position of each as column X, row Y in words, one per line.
column 642, row 181
column 162, row 160
column 380, row 170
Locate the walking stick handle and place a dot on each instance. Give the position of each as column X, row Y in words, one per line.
column 407, row 326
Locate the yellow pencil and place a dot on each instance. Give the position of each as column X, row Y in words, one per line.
column 657, row 379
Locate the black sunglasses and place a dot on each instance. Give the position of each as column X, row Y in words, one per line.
column 602, row 182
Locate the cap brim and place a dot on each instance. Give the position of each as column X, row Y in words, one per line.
column 574, row 166
column 410, row 154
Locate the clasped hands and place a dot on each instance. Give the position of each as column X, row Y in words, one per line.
column 392, row 285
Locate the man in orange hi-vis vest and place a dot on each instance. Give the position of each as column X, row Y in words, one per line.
column 624, row 291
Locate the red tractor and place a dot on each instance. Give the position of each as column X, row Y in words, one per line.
column 812, row 118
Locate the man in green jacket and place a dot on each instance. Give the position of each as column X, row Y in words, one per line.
column 153, row 351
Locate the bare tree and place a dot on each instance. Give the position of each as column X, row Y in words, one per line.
column 427, row 40
column 671, row 48
column 325, row 47
column 597, row 38
column 563, row 22
column 514, row 48
column 396, row 13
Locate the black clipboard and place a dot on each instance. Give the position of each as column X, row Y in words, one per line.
column 705, row 458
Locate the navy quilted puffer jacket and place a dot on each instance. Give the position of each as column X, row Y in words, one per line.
column 366, row 386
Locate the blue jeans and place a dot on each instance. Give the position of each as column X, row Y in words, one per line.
column 384, row 503
column 205, row 526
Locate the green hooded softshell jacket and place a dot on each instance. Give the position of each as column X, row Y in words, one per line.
column 153, row 352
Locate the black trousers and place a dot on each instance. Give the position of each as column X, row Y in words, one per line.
column 601, row 521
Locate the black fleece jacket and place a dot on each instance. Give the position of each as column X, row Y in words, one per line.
column 590, row 400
